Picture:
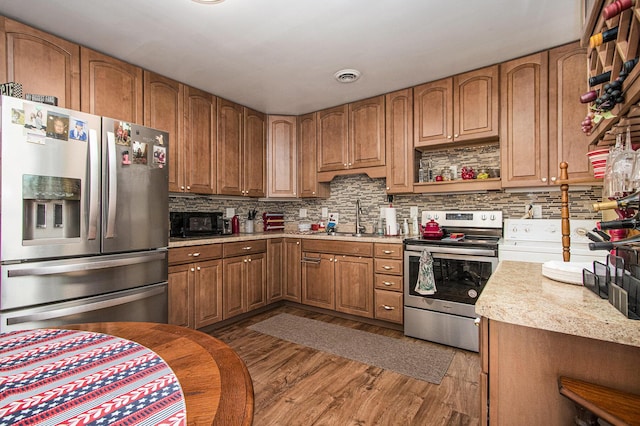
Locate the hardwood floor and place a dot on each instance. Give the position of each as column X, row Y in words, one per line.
column 297, row 385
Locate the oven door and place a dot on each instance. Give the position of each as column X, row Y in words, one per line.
column 459, row 280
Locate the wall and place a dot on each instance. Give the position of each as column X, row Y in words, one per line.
column 371, row 193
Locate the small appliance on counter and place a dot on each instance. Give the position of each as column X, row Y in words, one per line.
column 273, row 221
column 195, row 224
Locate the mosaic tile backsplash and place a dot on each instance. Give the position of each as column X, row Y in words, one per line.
column 345, row 190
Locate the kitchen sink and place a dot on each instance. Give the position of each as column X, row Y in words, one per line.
column 349, row 234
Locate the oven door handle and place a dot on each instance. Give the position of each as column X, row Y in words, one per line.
column 438, row 255
column 453, row 250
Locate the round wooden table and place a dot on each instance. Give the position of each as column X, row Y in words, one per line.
column 215, row 381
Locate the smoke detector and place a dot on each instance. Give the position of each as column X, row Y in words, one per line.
column 347, row 76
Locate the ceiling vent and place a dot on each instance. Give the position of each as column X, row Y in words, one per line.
column 347, row 76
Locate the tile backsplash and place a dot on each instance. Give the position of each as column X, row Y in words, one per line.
column 345, row 190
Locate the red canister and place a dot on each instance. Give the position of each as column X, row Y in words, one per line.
column 235, row 225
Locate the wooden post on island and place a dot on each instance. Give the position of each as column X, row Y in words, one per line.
column 564, row 212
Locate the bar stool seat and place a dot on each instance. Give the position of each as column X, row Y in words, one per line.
column 611, row 405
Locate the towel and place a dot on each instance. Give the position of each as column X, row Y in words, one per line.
column 426, row 284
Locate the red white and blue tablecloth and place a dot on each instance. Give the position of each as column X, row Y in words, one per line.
column 69, row 377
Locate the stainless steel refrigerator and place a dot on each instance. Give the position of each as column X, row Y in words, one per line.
column 83, row 218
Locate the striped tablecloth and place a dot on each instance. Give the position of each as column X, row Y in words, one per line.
column 69, row 377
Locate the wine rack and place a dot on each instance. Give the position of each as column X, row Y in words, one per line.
column 611, row 56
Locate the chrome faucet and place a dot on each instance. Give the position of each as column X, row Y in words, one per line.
column 360, row 229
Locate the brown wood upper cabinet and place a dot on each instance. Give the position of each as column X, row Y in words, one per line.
column 566, row 140
column 241, row 150
column 308, row 185
column 110, row 87
column 399, row 140
column 189, row 115
column 539, row 114
column 42, row 63
column 457, row 109
column 282, row 156
column 352, row 136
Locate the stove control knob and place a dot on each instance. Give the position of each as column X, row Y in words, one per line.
column 483, row 217
column 492, row 217
column 435, row 216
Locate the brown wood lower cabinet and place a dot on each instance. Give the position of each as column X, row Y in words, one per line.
column 388, row 282
column 195, row 286
column 244, row 282
column 338, row 281
column 292, row 270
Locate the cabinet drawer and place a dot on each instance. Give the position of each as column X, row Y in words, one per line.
column 244, row 247
column 388, row 266
column 330, row 245
column 388, row 251
column 389, row 282
column 190, row 254
column 388, row 306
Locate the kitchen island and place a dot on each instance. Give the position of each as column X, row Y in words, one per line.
column 535, row 330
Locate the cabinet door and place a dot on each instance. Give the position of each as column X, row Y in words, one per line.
column 399, row 135
column 42, row 63
column 332, row 137
column 354, row 285
column 524, row 146
column 200, row 141
column 179, row 295
column 256, row 281
column 318, row 286
column 207, row 295
column 308, row 185
column 164, row 110
column 566, row 140
column 433, row 113
column 229, row 148
column 253, row 159
column 475, row 104
column 292, row 269
column 282, row 153
column 234, row 288
column 275, row 269
column 110, row 87
column 366, row 133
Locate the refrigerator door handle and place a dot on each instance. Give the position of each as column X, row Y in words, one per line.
column 84, row 307
column 94, row 185
column 84, row 266
column 112, row 182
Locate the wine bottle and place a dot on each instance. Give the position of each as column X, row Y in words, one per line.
column 615, row 8
column 608, row 245
column 630, row 223
column 590, row 96
column 603, row 37
column 600, row 78
column 630, row 201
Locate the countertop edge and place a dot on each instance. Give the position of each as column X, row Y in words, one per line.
column 186, row 242
column 517, row 293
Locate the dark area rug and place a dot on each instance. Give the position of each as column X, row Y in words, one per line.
column 421, row 360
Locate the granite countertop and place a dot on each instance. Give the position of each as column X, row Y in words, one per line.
column 185, row 242
column 518, row 293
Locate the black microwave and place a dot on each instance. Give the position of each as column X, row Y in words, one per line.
column 195, row 224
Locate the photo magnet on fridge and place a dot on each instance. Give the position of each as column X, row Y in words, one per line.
column 122, row 131
column 57, row 126
column 78, row 131
column 139, row 153
column 17, row 116
column 159, row 155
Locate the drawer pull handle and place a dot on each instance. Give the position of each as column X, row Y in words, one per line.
column 246, row 248
column 387, row 283
column 388, row 308
column 387, row 267
column 192, row 269
column 310, row 260
column 194, row 254
column 387, row 251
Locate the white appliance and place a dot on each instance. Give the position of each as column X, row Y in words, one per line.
column 540, row 240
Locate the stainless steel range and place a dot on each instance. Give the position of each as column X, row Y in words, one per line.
column 461, row 262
